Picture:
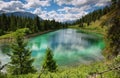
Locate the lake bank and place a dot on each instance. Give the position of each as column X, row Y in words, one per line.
column 97, row 30
column 10, row 39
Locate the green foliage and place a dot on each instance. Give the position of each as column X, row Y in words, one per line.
column 12, row 23
column 81, row 71
column 49, row 63
column 2, row 75
column 114, row 35
column 116, row 63
column 21, row 61
column 93, row 16
column 24, row 31
column 1, row 32
column 115, row 4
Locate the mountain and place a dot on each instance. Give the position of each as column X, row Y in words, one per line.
column 1, row 11
column 20, row 14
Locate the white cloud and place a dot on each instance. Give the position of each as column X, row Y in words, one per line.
column 62, row 17
column 17, row 5
column 37, row 11
column 81, row 2
column 61, row 14
column 74, row 9
column 37, row 3
column 102, row 3
column 11, row 6
column 70, row 2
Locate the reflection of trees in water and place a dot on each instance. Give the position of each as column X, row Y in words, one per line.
column 67, row 44
column 70, row 42
column 91, row 41
column 5, row 48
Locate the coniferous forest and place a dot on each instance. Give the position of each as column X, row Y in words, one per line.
column 31, row 57
column 12, row 23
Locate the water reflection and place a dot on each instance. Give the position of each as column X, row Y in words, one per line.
column 4, row 49
column 69, row 47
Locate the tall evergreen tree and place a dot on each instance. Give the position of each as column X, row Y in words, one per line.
column 49, row 63
column 114, row 2
column 37, row 23
column 21, row 61
column 114, row 35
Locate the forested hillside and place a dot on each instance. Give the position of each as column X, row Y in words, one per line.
column 12, row 23
column 107, row 21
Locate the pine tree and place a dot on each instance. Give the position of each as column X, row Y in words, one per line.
column 114, row 35
column 1, row 32
column 12, row 23
column 114, row 2
column 49, row 63
column 21, row 61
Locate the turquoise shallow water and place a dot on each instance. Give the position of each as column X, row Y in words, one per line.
column 69, row 47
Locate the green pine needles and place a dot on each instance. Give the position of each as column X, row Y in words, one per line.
column 49, row 63
column 21, row 61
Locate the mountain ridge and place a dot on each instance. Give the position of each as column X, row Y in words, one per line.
column 20, row 14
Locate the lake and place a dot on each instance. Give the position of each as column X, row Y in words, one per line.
column 69, row 46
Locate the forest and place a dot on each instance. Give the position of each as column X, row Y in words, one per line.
column 107, row 20
column 12, row 23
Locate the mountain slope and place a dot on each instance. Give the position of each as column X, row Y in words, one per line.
column 20, row 14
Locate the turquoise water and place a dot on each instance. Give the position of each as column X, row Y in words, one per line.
column 69, row 46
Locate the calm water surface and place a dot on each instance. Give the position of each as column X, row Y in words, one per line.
column 69, row 46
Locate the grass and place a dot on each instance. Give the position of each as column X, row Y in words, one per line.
column 94, row 27
column 81, row 71
column 100, row 27
column 12, row 34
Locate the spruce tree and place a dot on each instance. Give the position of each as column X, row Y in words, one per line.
column 21, row 61
column 49, row 63
column 114, row 35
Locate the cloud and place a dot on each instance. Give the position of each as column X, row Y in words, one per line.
column 102, row 3
column 70, row 2
column 78, row 9
column 62, row 15
column 37, row 11
column 81, row 2
column 17, row 5
column 74, row 9
column 12, row 6
column 37, row 3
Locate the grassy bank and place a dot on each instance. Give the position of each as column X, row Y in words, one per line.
column 100, row 27
column 82, row 71
column 10, row 36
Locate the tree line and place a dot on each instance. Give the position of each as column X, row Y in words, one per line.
column 12, row 23
column 93, row 16
column 97, row 14
column 114, row 31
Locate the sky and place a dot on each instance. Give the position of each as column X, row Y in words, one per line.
column 59, row 10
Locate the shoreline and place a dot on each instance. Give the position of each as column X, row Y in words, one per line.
column 9, row 40
column 39, row 33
